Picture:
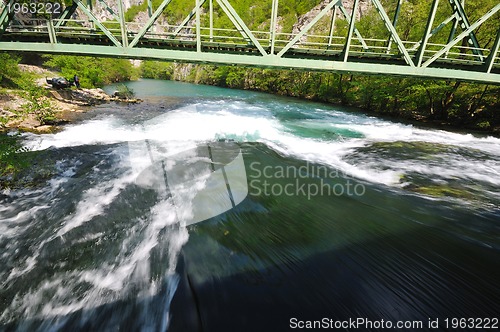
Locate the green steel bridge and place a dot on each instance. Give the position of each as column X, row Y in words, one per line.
column 197, row 40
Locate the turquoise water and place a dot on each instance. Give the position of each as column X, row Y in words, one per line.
column 347, row 216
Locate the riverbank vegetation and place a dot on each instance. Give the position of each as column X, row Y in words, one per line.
column 457, row 104
column 21, row 86
column 93, row 72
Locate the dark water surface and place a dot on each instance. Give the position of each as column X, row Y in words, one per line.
column 347, row 217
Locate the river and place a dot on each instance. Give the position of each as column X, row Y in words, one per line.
column 328, row 213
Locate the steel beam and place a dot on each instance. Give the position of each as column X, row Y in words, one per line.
column 461, row 36
column 66, row 14
column 257, row 61
column 347, row 45
column 356, row 31
column 434, row 31
column 272, row 27
column 430, row 21
column 452, row 31
column 123, row 24
column 189, row 17
column 111, row 11
column 5, row 16
column 149, row 23
column 393, row 32
column 332, row 25
column 457, row 6
column 94, row 19
column 51, row 31
column 308, row 27
column 394, row 23
column 150, row 8
column 211, row 19
column 198, row 25
column 236, row 19
column 493, row 53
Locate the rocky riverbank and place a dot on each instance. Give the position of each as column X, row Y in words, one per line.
column 14, row 113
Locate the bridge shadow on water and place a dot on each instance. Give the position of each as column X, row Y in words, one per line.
column 395, row 278
column 383, row 255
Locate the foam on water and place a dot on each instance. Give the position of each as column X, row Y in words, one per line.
column 130, row 271
column 254, row 123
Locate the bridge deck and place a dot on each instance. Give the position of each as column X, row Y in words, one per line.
column 461, row 58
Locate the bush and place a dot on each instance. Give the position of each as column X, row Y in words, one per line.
column 93, row 72
column 157, row 70
column 38, row 103
column 11, row 157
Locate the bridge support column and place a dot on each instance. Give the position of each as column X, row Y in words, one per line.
column 394, row 23
column 332, row 25
column 425, row 38
column 272, row 28
column 123, row 25
column 51, row 31
column 211, row 13
column 493, row 53
column 347, row 45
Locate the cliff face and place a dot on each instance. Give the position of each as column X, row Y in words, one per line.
column 102, row 13
column 303, row 20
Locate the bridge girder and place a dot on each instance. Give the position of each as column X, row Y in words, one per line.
column 354, row 55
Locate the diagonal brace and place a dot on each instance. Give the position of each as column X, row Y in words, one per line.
column 461, row 36
column 347, row 45
column 110, row 10
column 394, row 23
column 66, row 15
column 5, row 15
column 463, row 17
column 356, row 31
column 149, row 23
column 188, row 18
column 98, row 23
column 51, row 31
column 494, row 50
column 308, row 27
column 434, row 31
column 430, row 21
column 393, row 32
column 236, row 19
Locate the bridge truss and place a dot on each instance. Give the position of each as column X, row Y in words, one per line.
column 197, row 40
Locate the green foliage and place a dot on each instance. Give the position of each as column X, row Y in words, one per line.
column 125, row 92
column 12, row 158
column 9, row 71
column 37, row 101
column 93, row 72
column 157, row 70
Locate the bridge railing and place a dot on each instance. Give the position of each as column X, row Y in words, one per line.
column 312, row 43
